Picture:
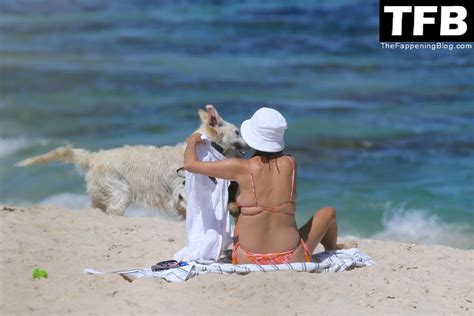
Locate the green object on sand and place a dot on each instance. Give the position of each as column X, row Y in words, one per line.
column 39, row 273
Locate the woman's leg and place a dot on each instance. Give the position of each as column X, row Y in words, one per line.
column 321, row 228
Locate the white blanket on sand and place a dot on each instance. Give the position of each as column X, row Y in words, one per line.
column 208, row 226
column 330, row 261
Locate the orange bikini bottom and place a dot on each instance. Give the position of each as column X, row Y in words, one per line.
column 271, row 257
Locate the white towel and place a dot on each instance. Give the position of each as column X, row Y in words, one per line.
column 208, row 227
column 330, row 261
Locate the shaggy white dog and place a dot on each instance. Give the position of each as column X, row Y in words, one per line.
column 147, row 175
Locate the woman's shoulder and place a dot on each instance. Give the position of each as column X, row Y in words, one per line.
column 239, row 163
column 291, row 158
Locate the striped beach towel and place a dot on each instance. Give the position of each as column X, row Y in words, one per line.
column 330, row 261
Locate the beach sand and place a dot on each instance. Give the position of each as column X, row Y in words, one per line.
column 408, row 279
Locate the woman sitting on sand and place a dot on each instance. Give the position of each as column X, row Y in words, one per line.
column 266, row 231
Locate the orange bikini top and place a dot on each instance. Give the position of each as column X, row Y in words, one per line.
column 280, row 208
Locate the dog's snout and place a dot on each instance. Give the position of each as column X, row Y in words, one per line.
column 180, row 197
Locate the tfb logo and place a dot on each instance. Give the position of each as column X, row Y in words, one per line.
column 426, row 20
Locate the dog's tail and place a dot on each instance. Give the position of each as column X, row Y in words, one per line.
column 79, row 157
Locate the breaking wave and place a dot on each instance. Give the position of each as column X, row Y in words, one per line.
column 420, row 227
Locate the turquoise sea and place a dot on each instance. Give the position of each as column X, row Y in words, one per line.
column 385, row 136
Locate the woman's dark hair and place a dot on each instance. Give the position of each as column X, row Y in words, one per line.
column 266, row 156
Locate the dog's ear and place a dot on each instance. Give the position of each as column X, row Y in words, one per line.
column 214, row 117
column 203, row 116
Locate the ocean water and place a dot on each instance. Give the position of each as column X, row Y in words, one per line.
column 385, row 136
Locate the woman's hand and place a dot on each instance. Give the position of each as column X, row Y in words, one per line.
column 194, row 139
column 223, row 169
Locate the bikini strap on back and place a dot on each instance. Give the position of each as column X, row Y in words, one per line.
column 292, row 177
column 253, row 184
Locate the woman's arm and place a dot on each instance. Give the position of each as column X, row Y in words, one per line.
column 225, row 169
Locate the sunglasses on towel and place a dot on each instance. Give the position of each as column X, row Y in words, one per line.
column 167, row 264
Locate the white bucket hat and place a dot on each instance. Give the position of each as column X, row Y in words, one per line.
column 265, row 130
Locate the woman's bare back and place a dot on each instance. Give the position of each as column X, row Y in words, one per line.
column 267, row 198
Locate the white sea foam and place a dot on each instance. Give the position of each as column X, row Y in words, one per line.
column 76, row 201
column 420, row 227
column 72, row 201
column 9, row 146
